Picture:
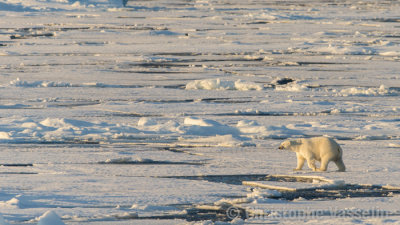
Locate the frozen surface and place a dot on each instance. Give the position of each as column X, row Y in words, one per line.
column 171, row 112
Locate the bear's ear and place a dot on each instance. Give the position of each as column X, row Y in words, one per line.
column 295, row 142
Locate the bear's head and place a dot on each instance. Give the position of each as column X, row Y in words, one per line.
column 289, row 144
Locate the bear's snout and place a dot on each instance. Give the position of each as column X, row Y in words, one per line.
column 281, row 147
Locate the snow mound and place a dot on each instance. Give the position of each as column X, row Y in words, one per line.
column 263, row 196
column 59, row 5
column 390, row 53
column 201, row 127
column 127, row 160
column 119, row 160
column 292, row 87
column 339, row 49
column 152, row 126
column 77, row 131
column 13, row 203
column 19, row 83
column 144, row 121
column 253, row 129
column 4, row 135
column 50, row 218
column 194, row 121
column 66, row 123
column 217, row 84
column 393, row 145
column 49, row 84
column 360, row 91
column 217, row 140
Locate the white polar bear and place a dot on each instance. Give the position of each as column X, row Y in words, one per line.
column 322, row 149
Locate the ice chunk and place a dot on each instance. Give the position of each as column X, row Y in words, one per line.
column 247, row 86
column 292, row 87
column 217, row 84
column 19, row 83
column 62, row 122
column 361, row 91
column 12, row 203
column 4, row 135
column 194, row 121
column 145, row 121
column 119, row 160
column 210, row 84
column 218, row 140
column 390, row 53
column 263, row 193
column 201, row 127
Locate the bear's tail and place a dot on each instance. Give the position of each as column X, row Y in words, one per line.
column 340, row 151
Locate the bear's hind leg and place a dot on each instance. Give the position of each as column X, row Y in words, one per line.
column 339, row 163
column 324, row 165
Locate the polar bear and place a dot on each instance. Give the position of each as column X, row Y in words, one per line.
column 322, row 149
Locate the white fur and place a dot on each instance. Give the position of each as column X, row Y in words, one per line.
column 322, row 149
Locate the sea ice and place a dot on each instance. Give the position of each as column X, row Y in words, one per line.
column 169, row 105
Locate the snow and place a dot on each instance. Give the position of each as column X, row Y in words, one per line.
column 12, row 203
column 50, row 218
column 217, row 140
column 171, row 112
column 2, row 221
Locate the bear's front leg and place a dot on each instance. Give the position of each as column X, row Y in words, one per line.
column 300, row 161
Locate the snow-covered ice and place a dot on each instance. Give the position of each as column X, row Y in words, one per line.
column 171, row 112
column 50, row 218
